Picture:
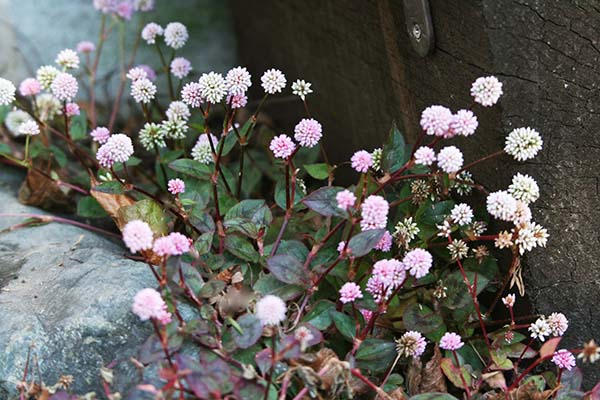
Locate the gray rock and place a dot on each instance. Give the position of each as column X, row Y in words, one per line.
column 68, row 292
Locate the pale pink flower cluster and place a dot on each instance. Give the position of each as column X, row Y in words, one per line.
column 148, row 303
column 411, row 344
column 136, row 73
column 72, row 109
column 138, row 236
column 151, row 31
column 118, row 148
column 7, row 92
column 349, row 292
column 181, row 67
column 418, row 262
column 237, row 100
column 238, row 80
column 558, row 323
column 501, row 205
column 85, row 46
column 374, row 212
column 435, row 120
column 176, row 186
column 385, row 243
column 150, row 74
column 462, row 214
column 68, row 59
column 143, row 90
column 191, row 94
column 451, row 341
column 282, row 146
column 361, row 161
column 273, row 81
column 30, row 87
column 387, row 276
column 271, row 310
column 464, row 123
column 174, row 244
column 486, row 90
column 176, row 35
column 425, row 156
column 64, row 86
column 29, row 128
column 345, row 199
column 100, row 134
column 212, row 87
column 509, row 300
column 308, row 132
column 450, row 159
column 564, row 359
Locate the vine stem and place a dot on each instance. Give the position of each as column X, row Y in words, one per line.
column 52, row 218
column 488, row 157
column 462, row 378
column 94, row 71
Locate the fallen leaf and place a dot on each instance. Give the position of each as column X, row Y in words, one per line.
column 432, row 376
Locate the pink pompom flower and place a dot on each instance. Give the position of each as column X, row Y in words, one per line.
column 271, row 310
column 385, row 243
column 64, row 87
column 374, row 212
column 425, row 156
column 308, row 132
column 148, row 303
column 237, row 100
column 118, row 148
column 418, row 262
column 350, row 292
column 85, row 46
column 125, row 9
column 435, row 120
column 174, row 244
column 100, row 134
column 191, row 94
column 345, row 199
column 181, row 67
column 451, row 341
column 137, row 236
column 282, row 146
column 564, row 359
column 72, row 109
column 361, row 161
column 464, row 123
column 30, row 87
column 176, row 186
column 486, row 90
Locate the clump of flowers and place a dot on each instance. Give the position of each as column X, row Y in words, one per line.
column 280, row 260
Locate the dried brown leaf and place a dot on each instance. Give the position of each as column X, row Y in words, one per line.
column 414, row 376
column 432, row 376
column 40, row 191
column 111, row 202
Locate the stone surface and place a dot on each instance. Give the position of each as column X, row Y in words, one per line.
column 68, row 292
column 33, row 32
column 366, row 74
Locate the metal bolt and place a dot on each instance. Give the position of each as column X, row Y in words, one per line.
column 416, row 31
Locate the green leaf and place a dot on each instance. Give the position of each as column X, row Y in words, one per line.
column 320, row 314
column 421, row 318
column 323, row 201
column 394, row 154
column 170, row 156
column 111, row 187
column 288, row 269
column 148, row 211
column 500, row 360
column 204, row 242
column 251, row 331
column 78, row 129
column 436, row 213
column 365, row 241
column 375, row 354
column 88, row 207
column 344, row 324
column 453, row 373
column 248, row 217
column 241, row 248
column 5, row 149
column 229, row 143
column 268, row 284
column 3, row 111
column 458, row 296
column 211, row 288
column 317, row 171
column 280, row 193
column 192, row 168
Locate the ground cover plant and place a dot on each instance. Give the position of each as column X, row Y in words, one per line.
column 297, row 287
